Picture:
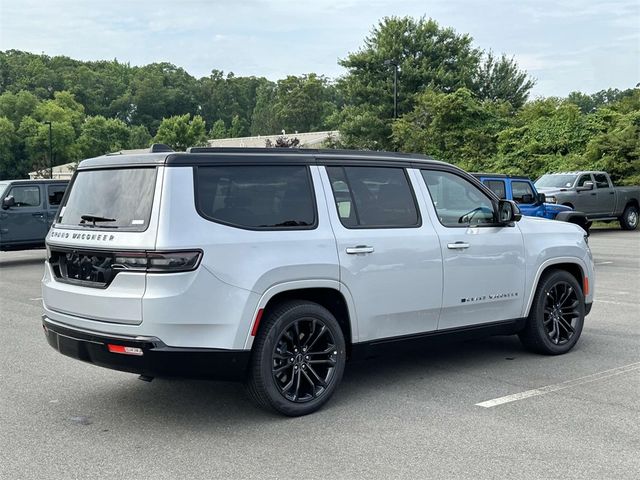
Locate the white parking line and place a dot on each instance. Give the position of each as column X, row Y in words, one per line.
column 560, row 386
column 603, row 263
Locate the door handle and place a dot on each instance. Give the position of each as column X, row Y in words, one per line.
column 457, row 246
column 359, row 249
column 593, row 193
column 612, row 193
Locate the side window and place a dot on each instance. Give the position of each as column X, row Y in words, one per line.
column 55, row 194
column 583, row 179
column 522, row 192
column 601, row 180
column 26, row 195
column 497, row 187
column 256, row 196
column 457, row 201
column 373, row 197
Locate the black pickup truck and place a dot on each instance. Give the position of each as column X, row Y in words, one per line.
column 27, row 209
column 594, row 194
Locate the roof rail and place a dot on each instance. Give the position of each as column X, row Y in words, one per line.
column 155, row 148
column 302, row 151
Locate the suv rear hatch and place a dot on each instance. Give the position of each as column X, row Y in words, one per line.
column 97, row 248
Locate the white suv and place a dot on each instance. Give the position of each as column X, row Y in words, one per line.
column 276, row 265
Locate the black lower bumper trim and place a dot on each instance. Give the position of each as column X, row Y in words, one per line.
column 157, row 359
column 587, row 308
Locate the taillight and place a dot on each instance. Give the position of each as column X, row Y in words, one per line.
column 158, row 262
column 173, row 261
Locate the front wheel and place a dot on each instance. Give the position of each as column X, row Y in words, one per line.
column 298, row 359
column 629, row 218
column 557, row 315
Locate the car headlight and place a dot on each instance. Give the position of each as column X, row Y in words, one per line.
column 551, row 199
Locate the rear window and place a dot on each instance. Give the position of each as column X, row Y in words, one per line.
column 497, row 187
column 256, row 197
column 111, row 198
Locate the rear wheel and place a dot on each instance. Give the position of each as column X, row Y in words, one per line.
column 629, row 218
column 298, row 359
column 557, row 315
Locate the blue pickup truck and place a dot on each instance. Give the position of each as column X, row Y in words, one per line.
column 521, row 190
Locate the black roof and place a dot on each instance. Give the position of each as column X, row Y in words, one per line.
column 205, row 155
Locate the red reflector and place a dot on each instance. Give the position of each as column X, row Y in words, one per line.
column 256, row 323
column 585, row 286
column 124, row 350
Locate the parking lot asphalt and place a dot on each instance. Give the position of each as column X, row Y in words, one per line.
column 411, row 415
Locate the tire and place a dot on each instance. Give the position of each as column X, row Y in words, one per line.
column 629, row 218
column 557, row 315
column 298, row 359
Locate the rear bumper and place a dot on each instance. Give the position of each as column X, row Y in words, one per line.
column 587, row 308
column 157, row 359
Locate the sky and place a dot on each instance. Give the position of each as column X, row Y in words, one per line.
column 566, row 45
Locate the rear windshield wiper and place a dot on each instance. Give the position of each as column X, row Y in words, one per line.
column 94, row 219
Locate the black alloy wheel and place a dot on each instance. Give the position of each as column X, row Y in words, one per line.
column 556, row 316
column 304, row 360
column 298, row 358
column 561, row 312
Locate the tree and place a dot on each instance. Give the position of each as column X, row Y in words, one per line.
column 456, row 127
column 100, row 135
column 303, row 103
column 500, row 79
column 139, row 137
column 428, row 57
column 181, row 132
column 15, row 106
column 239, row 127
column 35, row 138
column 263, row 119
column 9, row 158
column 219, row 129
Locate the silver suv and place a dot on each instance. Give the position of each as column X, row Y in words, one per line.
column 275, row 266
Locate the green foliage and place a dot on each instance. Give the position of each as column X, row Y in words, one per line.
column 219, row 129
column 544, row 135
column 500, row 79
column 428, row 57
column 9, row 149
column 456, row 102
column 181, row 132
column 239, row 127
column 456, row 127
column 101, row 135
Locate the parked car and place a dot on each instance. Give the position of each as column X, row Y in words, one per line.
column 275, row 265
column 594, row 194
column 521, row 190
column 28, row 208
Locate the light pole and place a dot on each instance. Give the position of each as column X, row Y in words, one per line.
column 395, row 85
column 50, row 152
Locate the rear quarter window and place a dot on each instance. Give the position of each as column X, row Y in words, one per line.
column 256, row 197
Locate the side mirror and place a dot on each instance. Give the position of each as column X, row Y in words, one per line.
column 8, row 202
column 527, row 198
column 585, row 186
column 542, row 198
column 508, row 212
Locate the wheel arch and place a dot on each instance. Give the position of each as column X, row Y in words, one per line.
column 330, row 294
column 572, row 265
column 632, row 202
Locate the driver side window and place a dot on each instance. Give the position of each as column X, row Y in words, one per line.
column 457, row 201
